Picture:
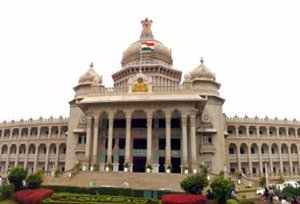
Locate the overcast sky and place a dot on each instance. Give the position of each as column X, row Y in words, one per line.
column 252, row 46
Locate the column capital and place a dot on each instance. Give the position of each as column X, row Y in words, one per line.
column 111, row 114
column 168, row 113
column 149, row 113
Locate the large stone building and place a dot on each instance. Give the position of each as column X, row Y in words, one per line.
column 151, row 117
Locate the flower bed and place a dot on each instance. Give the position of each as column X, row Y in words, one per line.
column 30, row 196
column 91, row 199
column 184, row 199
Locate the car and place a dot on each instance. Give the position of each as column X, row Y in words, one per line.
column 294, row 184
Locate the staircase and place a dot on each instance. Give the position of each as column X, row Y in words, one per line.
column 153, row 181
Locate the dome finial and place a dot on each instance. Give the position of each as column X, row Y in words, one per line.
column 201, row 60
column 146, row 32
column 91, row 65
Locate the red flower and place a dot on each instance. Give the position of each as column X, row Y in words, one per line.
column 183, row 199
column 30, row 196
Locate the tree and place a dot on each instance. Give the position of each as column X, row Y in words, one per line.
column 17, row 176
column 35, row 180
column 194, row 184
column 221, row 188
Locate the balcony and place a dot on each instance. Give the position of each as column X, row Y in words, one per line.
column 207, row 149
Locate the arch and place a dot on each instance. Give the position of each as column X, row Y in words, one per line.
column 33, row 131
column 62, row 149
column 24, row 132
column 13, row 149
column 242, row 131
column 232, row 148
column 243, row 148
column 42, row 149
column 294, row 149
column 22, row 149
column 291, row 132
column 63, row 130
column 31, row 149
column 52, row 149
column 6, row 133
column 282, row 131
column 44, row 131
column 262, row 131
column 4, row 149
column 54, row 130
column 284, row 149
column 15, row 132
column 252, row 131
column 231, row 130
column 254, row 148
column 275, row 149
column 264, row 148
column 273, row 131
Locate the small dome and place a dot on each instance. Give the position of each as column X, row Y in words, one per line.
column 187, row 76
column 202, row 72
column 90, row 77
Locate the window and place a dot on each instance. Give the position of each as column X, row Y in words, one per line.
column 82, row 139
column 206, row 139
column 252, row 151
column 231, row 150
column 122, row 143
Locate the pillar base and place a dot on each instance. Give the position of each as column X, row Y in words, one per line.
column 115, row 167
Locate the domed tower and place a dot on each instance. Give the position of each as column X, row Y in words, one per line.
column 211, row 121
column 88, row 82
column 149, row 56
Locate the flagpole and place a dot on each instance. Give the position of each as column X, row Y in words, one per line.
column 141, row 60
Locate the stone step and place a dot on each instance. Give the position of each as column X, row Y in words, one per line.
column 153, row 181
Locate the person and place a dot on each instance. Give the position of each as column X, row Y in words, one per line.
column 125, row 184
column 233, row 194
column 294, row 201
column 283, row 200
column 1, row 180
column 209, row 194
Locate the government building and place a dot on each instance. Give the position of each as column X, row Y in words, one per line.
column 153, row 116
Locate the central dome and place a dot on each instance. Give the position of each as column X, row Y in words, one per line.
column 160, row 54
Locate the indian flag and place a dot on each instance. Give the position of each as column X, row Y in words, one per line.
column 147, row 46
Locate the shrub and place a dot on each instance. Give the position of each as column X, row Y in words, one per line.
column 6, row 190
column 247, row 202
column 34, row 181
column 183, row 199
column 17, row 177
column 232, row 201
column 221, row 188
column 194, row 184
column 30, row 196
column 262, row 181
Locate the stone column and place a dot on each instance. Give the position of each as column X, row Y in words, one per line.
column 47, row 158
column 149, row 137
column 184, row 139
column 57, row 157
column 250, row 161
column 280, row 159
column 110, row 136
column 290, row 161
column 35, row 159
column 260, row 161
column 128, row 136
column 17, row 155
column 271, row 161
column 193, row 139
column 26, row 157
column 88, row 142
column 239, row 157
column 168, row 138
column 7, row 157
column 95, row 142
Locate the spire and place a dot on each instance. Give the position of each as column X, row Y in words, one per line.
column 91, row 65
column 202, row 60
column 146, row 32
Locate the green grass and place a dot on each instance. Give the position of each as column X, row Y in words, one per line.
column 7, row 202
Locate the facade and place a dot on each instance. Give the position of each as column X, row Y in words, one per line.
column 151, row 117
